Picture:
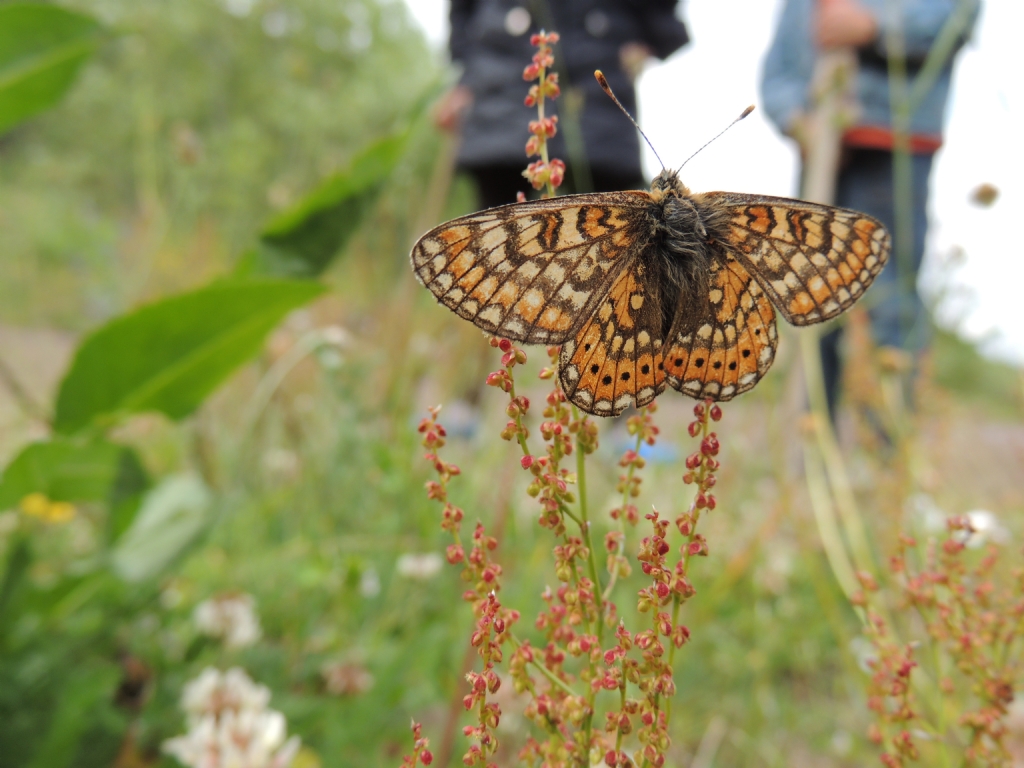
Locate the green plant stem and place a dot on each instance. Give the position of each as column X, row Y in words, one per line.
column 828, row 447
column 581, row 470
column 520, row 437
column 275, row 376
column 828, row 531
column 699, row 480
column 27, row 403
column 613, row 579
column 550, row 190
column 551, row 676
column 584, row 524
column 940, row 52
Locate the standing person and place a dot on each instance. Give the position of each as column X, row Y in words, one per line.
column 865, row 182
column 490, row 39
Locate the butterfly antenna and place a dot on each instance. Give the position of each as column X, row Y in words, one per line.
column 745, row 112
column 603, row 82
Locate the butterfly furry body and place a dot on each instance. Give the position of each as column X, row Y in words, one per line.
column 645, row 290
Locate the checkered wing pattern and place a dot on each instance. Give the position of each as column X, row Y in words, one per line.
column 534, row 272
column 724, row 348
column 616, row 356
column 813, row 261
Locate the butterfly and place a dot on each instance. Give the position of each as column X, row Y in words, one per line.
column 645, row 290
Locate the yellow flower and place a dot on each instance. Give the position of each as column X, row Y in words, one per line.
column 60, row 512
column 38, row 505
column 35, row 504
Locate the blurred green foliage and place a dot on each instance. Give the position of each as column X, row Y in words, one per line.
column 300, row 480
column 301, row 241
column 41, row 50
column 959, row 368
column 186, row 132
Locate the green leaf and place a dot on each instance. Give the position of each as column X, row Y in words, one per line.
column 172, row 517
column 19, row 558
column 304, row 240
column 41, row 50
column 86, row 700
column 126, row 494
column 66, row 470
column 168, row 356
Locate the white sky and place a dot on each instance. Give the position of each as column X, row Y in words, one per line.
column 974, row 262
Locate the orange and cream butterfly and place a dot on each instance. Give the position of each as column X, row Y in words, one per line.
column 648, row 289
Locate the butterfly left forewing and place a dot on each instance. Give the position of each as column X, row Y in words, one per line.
column 616, row 357
column 813, row 261
column 533, row 272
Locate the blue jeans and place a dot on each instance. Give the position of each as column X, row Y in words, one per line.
column 898, row 316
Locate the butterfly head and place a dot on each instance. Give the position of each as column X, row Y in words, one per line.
column 667, row 183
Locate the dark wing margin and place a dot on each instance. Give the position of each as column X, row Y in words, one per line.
column 814, row 261
column 534, row 272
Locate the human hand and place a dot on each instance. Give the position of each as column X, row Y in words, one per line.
column 844, row 24
column 632, row 57
column 449, row 108
column 801, row 130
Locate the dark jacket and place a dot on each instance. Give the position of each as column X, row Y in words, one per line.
column 489, row 42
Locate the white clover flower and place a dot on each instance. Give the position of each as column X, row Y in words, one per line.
column 419, row 566
column 215, row 691
column 985, row 526
column 369, row 583
column 231, row 617
column 229, row 725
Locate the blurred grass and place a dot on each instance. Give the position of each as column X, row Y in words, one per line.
column 190, row 129
column 997, row 389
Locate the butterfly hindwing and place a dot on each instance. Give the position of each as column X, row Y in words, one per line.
column 533, row 272
column 813, row 261
column 724, row 347
column 616, row 356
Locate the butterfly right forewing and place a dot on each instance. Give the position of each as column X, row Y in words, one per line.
column 814, row 261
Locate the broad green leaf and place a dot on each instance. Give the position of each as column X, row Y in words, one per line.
column 304, row 240
column 172, row 517
column 168, row 356
column 66, row 470
column 41, row 50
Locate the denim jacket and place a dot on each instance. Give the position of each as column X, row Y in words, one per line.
column 789, row 67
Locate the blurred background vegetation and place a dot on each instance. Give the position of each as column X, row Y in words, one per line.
column 194, row 126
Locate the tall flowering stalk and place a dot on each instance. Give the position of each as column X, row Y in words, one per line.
column 582, row 662
column 545, row 173
column 954, row 690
